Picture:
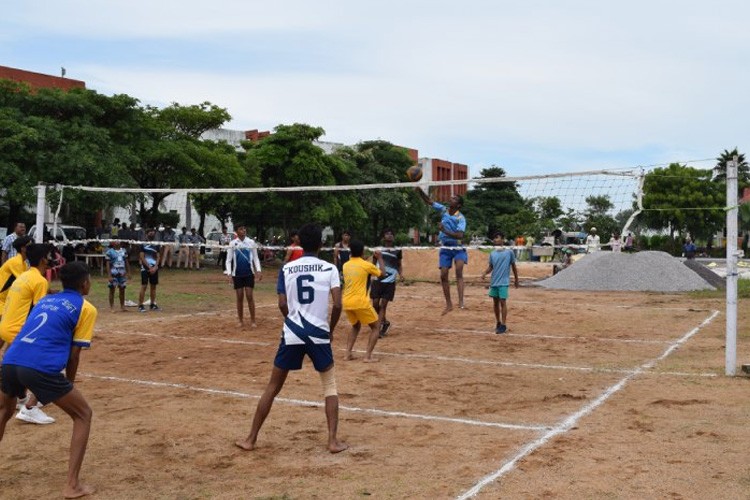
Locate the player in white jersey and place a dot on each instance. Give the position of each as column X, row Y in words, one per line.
column 304, row 287
column 242, row 266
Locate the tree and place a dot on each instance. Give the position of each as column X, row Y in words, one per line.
column 486, row 205
column 597, row 215
column 743, row 169
column 683, row 199
column 289, row 158
column 398, row 209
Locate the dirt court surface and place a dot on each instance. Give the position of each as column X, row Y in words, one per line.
column 589, row 395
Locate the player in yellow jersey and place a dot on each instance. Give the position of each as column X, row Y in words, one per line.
column 12, row 269
column 28, row 289
column 356, row 299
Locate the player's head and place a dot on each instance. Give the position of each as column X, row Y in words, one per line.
column 357, row 248
column 294, row 237
column 310, row 237
column 457, row 202
column 498, row 237
column 592, row 230
column 21, row 243
column 75, row 276
column 150, row 233
column 346, row 235
column 115, row 244
column 241, row 231
column 37, row 253
column 388, row 235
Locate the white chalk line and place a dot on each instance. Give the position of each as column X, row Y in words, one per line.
column 491, row 333
column 152, row 317
column 571, row 421
column 437, row 298
column 302, row 402
column 430, row 357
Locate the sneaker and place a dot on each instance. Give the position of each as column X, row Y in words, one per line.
column 501, row 329
column 384, row 329
column 141, row 309
column 154, row 307
column 34, row 415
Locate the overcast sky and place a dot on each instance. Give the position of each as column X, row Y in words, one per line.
column 533, row 86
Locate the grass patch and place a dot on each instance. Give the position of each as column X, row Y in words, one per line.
column 743, row 292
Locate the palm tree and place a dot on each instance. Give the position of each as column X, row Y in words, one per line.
column 743, row 169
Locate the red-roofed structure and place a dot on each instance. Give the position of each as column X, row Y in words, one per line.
column 40, row 80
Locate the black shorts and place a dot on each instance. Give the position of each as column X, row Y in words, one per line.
column 147, row 277
column 243, row 281
column 289, row 357
column 47, row 388
column 380, row 290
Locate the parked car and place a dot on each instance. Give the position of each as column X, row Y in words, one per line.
column 212, row 244
column 64, row 234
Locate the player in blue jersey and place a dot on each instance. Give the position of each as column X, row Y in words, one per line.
column 58, row 327
column 243, row 265
column 304, row 287
column 118, row 270
column 501, row 261
column 383, row 290
column 452, row 227
column 149, row 258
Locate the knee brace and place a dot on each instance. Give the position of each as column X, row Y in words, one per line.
column 328, row 380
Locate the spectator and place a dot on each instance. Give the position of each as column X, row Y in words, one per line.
column 7, row 250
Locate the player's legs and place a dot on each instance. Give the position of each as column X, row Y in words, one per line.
column 152, row 295
column 504, row 307
column 460, row 282
column 7, row 406
column 240, row 310
column 496, row 308
column 445, row 283
column 351, row 339
column 74, row 404
column 374, row 336
column 122, row 298
column 332, row 413
column 278, row 377
column 142, row 294
column 251, row 305
column 111, row 297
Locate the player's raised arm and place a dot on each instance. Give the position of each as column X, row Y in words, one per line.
column 424, row 196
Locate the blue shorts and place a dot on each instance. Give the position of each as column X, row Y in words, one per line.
column 289, row 357
column 448, row 255
column 118, row 281
column 499, row 292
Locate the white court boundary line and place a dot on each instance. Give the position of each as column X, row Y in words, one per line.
column 432, row 357
column 536, row 302
column 317, row 404
column 150, row 318
column 573, row 419
column 490, row 333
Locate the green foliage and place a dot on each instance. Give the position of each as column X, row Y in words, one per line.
column 743, row 169
column 684, row 199
column 495, row 206
column 597, row 215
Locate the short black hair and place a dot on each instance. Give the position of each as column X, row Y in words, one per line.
column 460, row 200
column 388, row 230
column 21, row 242
column 357, row 248
column 310, row 237
column 36, row 252
column 73, row 274
column 346, row 231
column 293, row 233
column 498, row 233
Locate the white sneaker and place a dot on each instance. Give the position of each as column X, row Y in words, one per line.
column 34, row 415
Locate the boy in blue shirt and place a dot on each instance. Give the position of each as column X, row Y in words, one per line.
column 501, row 261
column 452, row 227
column 57, row 328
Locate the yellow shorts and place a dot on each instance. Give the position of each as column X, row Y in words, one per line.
column 363, row 316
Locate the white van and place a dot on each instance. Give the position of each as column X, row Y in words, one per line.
column 64, row 234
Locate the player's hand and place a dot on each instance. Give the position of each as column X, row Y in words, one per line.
column 484, row 277
column 259, row 275
column 377, row 254
column 440, row 226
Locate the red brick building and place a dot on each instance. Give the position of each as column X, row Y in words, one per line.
column 39, row 80
column 435, row 169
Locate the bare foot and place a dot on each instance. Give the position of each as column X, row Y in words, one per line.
column 462, row 306
column 348, row 357
column 79, row 491
column 253, row 325
column 371, row 360
column 245, row 445
column 337, row 446
column 446, row 310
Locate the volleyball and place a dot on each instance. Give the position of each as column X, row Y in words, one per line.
column 414, row 173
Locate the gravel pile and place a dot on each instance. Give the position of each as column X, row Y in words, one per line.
column 628, row 272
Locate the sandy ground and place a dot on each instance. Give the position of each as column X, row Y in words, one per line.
column 589, row 395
